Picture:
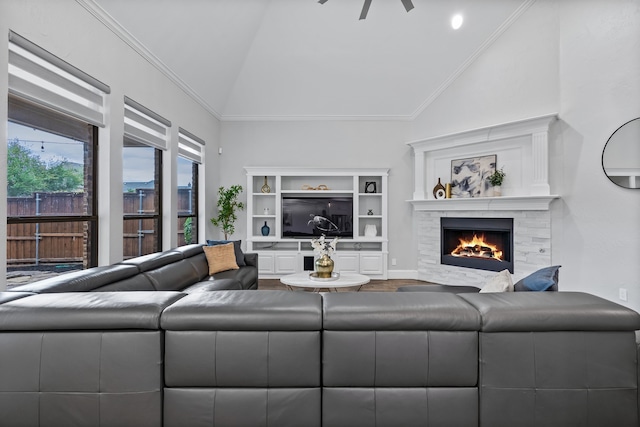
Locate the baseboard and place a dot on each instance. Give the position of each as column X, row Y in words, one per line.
column 402, row 274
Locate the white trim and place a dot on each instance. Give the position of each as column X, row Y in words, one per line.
column 523, row 203
column 110, row 23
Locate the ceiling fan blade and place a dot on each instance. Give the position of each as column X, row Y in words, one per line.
column 365, row 9
column 408, row 5
column 322, row 1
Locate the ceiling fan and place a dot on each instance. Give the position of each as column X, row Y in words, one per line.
column 408, row 5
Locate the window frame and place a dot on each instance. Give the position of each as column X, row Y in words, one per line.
column 37, row 116
column 158, row 186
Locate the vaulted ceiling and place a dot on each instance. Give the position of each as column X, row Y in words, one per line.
column 270, row 59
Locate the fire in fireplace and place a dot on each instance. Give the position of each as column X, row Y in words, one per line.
column 482, row 243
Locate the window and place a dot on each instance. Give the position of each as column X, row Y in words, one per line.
column 145, row 139
column 51, row 204
column 52, row 139
column 189, row 157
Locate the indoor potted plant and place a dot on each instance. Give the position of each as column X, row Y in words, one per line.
column 228, row 204
column 496, row 179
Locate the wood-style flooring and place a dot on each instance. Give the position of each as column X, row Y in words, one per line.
column 372, row 286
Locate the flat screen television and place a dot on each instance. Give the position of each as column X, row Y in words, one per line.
column 313, row 216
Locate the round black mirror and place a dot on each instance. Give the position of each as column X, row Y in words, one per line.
column 621, row 155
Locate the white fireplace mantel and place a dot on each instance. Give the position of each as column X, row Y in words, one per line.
column 522, row 148
column 506, row 203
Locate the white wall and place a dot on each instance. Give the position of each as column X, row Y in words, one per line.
column 582, row 60
column 348, row 144
column 68, row 30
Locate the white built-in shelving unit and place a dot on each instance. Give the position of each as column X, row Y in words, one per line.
column 280, row 255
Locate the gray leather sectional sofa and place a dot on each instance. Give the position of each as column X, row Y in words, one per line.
column 183, row 269
column 280, row 358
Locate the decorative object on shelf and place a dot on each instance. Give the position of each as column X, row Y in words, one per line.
column 469, row 177
column 324, row 248
column 265, row 229
column 265, row 188
column 439, row 191
column 228, row 204
column 265, row 211
column 319, row 187
column 371, row 187
column 370, row 230
column 496, row 179
column 370, row 212
column 447, row 190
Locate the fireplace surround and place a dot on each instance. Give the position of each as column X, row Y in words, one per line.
column 522, row 148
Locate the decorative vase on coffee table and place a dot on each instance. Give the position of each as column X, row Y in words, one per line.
column 324, row 267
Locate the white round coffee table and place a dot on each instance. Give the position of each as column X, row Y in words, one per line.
column 345, row 280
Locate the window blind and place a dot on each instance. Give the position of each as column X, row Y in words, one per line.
column 142, row 125
column 190, row 146
column 39, row 76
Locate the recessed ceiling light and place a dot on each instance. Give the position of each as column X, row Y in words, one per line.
column 456, row 21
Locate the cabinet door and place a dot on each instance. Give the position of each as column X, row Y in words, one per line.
column 346, row 263
column 371, row 263
column 265, row 263
column 286, row 263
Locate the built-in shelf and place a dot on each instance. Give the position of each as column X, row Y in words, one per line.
column 505, row 203
column 364, row 253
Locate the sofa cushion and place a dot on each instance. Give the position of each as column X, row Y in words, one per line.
column 541, row 280
column 550, row 311
column 406, row 311
column 501, row 282
column 82, row 280
column 221, row 258
column 86, row 311
column 247, row 276
column 236, row 248
column 154, row 260
column 245, row 311
column 10, row 296
column 173, row 277
column 213, row 285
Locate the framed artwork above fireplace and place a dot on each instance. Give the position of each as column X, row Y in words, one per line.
column 469, row 177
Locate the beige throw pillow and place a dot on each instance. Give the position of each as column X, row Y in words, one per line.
column 220, row 258
column 501, row 282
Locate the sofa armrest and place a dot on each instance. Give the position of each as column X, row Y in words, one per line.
column 251, row 259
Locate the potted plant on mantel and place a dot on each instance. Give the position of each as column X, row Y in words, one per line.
column 496, row 179
column 228, row 204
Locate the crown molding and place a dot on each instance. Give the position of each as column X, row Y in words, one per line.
column 302, row 118
column 111, row 24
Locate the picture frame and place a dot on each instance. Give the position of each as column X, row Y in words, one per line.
column 370, row 187
column 469, row 177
